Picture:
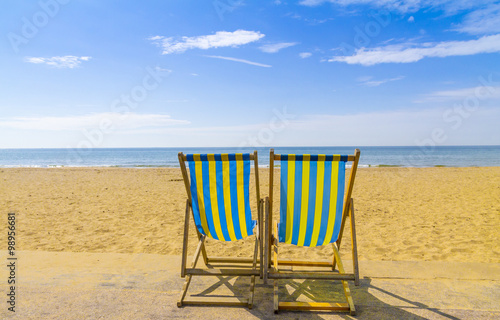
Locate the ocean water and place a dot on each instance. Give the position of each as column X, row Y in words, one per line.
column 449, row 156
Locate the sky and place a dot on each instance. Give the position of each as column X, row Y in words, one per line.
column 238, row 73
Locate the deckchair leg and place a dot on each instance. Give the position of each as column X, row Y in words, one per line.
column 186, row 238
column 276, row 301
column 252, row 281
column 252, row 290
column 267, row 245
column 188, row 277
column 203, row 250
column 184, row 290
column 341, row 233
column 275, row 246
column 260, row 237
column 349, row 212
column 354, row 245
column 275, row 258
column 345, row 285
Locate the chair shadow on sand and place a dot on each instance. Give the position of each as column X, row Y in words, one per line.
column 366, row 298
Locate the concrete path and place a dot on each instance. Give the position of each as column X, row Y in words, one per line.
column 64, row 285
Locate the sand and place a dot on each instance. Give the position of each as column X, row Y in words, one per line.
column 402, row 214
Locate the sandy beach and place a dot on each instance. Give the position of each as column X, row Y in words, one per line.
column 402, row 214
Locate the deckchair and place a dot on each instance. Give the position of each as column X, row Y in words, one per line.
column 313, row 212
column 218, row 197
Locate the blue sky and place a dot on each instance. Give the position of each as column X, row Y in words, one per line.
column 233, row 73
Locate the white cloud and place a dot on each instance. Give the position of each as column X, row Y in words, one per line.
column 304, row 55
column 481, row 21
column 405, row 54
column 240, row 60
column 411, row 19
column 273, row 48
column 59, row 62
column 217, row 40
column 118, row 121
column 367, row 81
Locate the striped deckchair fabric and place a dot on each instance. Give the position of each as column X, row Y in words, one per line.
column 218, row 200
column 311, row 199
column 315, row 204
column 221, row 195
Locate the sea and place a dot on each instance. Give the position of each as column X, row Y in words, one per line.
column 410, row 156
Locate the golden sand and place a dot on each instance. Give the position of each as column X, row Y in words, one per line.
column 442, row 214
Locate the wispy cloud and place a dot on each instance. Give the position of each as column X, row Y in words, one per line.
column 369, row 82
column 118, row 121
column 273, row 48
column 481, row 21
column 304, row 55
column 59, row 62
column 240, row 60
column 479, row 92
column 398, row 127
column 481, row 16
column 400, row 5
column 405, row 54
column 163, row 70
column 217, row 40
column 404, row 6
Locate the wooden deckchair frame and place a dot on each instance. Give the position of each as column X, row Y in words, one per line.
column 248, row 265
column 271, row 261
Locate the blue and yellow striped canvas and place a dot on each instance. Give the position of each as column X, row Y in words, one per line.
column 220, row 192
column 312, row 192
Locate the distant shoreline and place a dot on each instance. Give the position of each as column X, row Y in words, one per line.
column 446, row 156
column 277, row 167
